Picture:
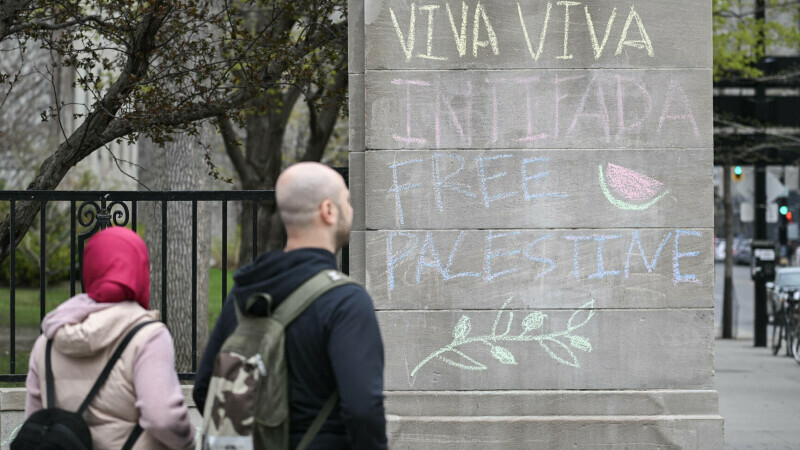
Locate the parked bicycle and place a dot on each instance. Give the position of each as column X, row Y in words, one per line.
column 786, row 322
column 783, row 309
column 793, row 331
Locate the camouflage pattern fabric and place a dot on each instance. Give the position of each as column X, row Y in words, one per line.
column 236, row 379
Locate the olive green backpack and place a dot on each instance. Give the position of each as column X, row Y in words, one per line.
column 247, row 406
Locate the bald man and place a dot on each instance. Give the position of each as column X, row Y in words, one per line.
column 335, row 343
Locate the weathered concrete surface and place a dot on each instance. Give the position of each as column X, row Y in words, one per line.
column 676, row 31
column 358, row 256
column 355, row 37
column 610, row 345
column 410, row 415
column 538, row 189
column 356, row 108
column 481, row 109
column 10, row 421
column 553, row 432
column 581, row 349
column 553, row 403
column 481, row 269
column 357, row 190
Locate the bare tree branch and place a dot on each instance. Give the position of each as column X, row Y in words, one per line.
column 9, row 10
column 234, row 150
column 86, row 138
column 155, row 92
column 766, row 131
column 43, row 25
column 322, row 123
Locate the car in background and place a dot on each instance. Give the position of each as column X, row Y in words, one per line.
column 787, row 281
column 742, row 252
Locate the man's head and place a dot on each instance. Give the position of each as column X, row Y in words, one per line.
column 314, row 203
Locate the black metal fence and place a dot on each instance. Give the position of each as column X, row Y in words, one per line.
column 95, row 210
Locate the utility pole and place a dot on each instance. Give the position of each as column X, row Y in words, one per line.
column 760, row 297
column 727, row 302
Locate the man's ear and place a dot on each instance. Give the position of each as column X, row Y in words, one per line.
column 328, row 212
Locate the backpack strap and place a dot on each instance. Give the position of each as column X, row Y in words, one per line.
column 137, row 430
column 307, row 293
column 133, row 437
column 48, row 370
column 110, row 365
column 294, row 305
column 316, row 425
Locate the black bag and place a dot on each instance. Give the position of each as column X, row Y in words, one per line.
column 57, row 429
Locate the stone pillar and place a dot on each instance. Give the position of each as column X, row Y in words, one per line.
column 533, row 187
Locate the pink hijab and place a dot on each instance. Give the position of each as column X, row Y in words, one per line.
column 116, row 267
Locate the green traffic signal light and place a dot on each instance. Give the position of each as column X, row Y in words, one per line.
column 738, row 172
column 783, row 210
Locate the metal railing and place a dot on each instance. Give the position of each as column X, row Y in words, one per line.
column 95, row 210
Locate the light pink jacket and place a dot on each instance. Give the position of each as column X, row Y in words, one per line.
column 142, row 386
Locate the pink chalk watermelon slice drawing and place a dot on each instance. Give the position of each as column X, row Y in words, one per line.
column 630, row 190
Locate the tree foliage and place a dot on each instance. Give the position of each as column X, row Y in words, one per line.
column 738, row 34
column 153, row 67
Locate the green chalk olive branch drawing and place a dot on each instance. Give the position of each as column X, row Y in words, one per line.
column 532, row 322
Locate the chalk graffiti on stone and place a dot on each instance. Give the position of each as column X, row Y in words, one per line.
column 485, row 36
column 427, row 189
column 442, row 110
column 531, row 174
column 639, row 192
column 559, row 345
column 488, row 256
column 6, row 443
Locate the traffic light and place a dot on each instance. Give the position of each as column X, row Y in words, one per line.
column 783, row 207
column 783, row 220
column 737, row 173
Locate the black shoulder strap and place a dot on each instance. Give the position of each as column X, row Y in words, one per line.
column 137, row 430
column 134, row 436
column 49, row 382
column 110, row 365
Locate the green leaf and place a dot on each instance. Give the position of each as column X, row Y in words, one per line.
column 560, row 352
column 533, row 321
column 499, row 315
column 581, row 343
column 462, row 328
column 583, row 311
column 467, row 364
column 503, row 355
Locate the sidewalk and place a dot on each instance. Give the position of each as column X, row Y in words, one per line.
column 759, row 396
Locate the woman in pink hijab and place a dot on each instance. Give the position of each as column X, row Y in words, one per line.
column 143, row 387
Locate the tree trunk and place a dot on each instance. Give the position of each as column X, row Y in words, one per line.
column 178, row 166
column 264, row 150
column 727, row 302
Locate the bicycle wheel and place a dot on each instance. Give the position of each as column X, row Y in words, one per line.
column 796, row 343
column 777, row 334
column 790, row 320
column 793, row 332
